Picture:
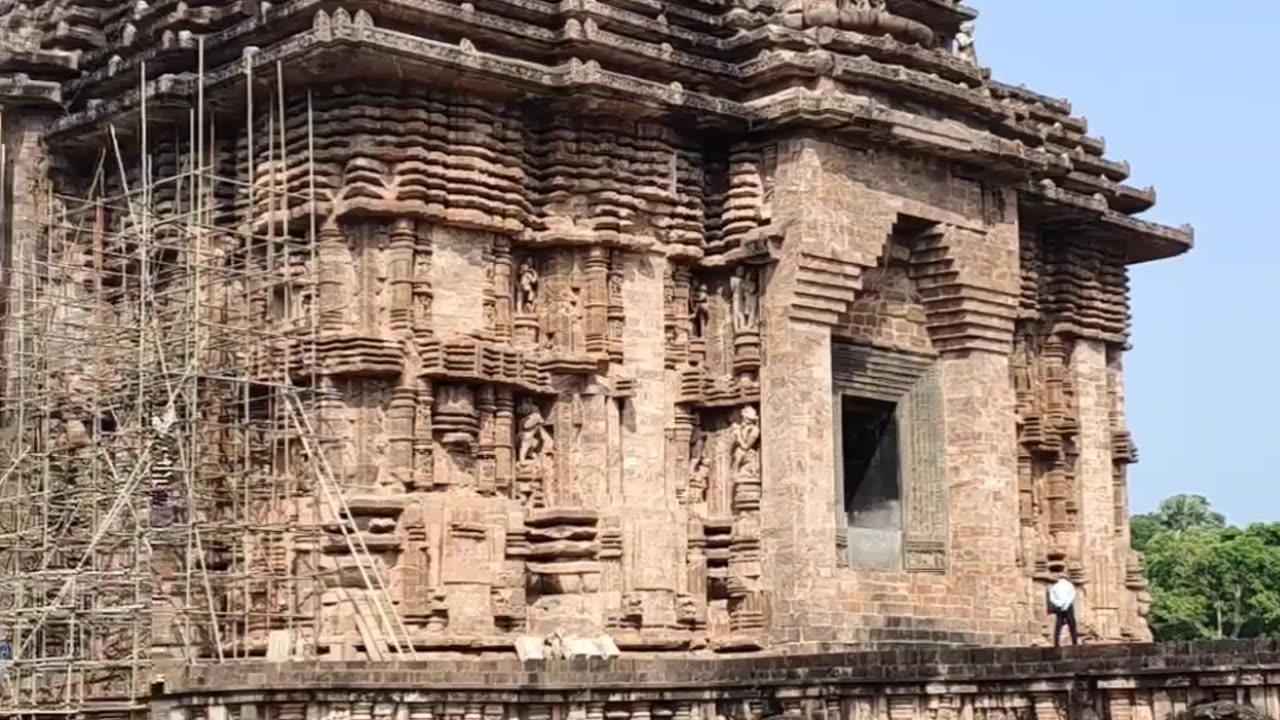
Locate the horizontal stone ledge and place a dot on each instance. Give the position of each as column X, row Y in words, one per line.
column 1106, row 666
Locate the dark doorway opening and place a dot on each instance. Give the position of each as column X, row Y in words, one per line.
column 872, row 482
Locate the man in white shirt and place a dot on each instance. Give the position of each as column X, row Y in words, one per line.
column 1062, row 603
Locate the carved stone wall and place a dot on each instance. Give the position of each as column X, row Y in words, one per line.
column 1148, row 682
column 516, row 324
column 1073, row 444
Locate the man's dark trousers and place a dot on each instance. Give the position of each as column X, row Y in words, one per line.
column 1065, row 617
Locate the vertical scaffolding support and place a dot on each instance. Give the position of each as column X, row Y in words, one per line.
column 163, row 491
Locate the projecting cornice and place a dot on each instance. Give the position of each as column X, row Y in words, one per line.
column 610, row 60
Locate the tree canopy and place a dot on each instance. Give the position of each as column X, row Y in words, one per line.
column 1208, row 579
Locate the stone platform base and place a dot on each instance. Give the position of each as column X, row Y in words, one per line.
column 1116, row 682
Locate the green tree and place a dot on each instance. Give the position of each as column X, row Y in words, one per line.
column 1208, row 579
column 1186, row 512
column 1142, row 528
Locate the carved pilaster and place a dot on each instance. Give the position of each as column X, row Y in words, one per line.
column 502, row 287
column 503, row 435
column 679, row 459
column 616, row 316
column 485, row 454
column 423, row 437
column 422, row 290
column 490, row 310
column 334, row 261
column 400, row 276
column 923, row 460
column 401, row 412
column 455, row 417
column 672, row 312
column 696, row 566
column 745, row 303
column 597, row 302
column 681, row 284
column 415, row 572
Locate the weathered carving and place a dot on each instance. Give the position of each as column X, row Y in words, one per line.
column 535, row 442
column 699, row 471
column 699, row 311
column 746, row 300
column 527, row 290
column 746, row 436
column 965, row 48
column 867, row 16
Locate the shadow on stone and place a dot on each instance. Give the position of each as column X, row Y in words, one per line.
column 1221, row 710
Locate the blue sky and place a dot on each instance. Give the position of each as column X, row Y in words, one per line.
column 1187, row 92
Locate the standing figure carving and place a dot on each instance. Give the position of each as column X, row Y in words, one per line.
column 536, row 442
column 700, row 471
column 527, row 286
column 746, row 440
column 965, row 49
column 577, row 337
column 746, row 300
column 699, row 310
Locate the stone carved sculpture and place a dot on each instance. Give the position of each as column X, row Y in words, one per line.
column 19, row 27
column 746, row 440
column 577, row 337
column 536, row 442
column 527, row 287
column 746, row 300
column 965, row 48
column 699, row 470
column 867, row 16
column 699, row 310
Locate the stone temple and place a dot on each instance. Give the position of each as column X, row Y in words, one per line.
column 688, row 339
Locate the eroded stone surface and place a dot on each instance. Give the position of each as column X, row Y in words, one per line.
column 553, row 359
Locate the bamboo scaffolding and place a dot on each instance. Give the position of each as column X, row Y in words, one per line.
column 157, row 439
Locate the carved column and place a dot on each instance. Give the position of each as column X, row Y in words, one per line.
column 400, row 275
column 679, row 459
column 455, row 415
column 674, row 353
column 401, row 412
column 597, row 302
column 616, row 317
column 556, row 301
column 1060, row 428
column 423, row 439
column 653, row 524
column 681, row 282
column 329, row 408
column 503, row 435
column 485, row 454
column 422, row 291
column 415, row 572
column 923, row 458
column 1095, row 489
column 502, row 286
column 335, row 262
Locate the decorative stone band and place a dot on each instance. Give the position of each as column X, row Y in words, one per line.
column 875, row 373
column 1107, row 681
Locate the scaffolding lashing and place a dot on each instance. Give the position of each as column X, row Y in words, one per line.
column 163, row 497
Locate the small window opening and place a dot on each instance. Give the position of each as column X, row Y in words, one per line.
column 872, row 482
column 278, row 306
